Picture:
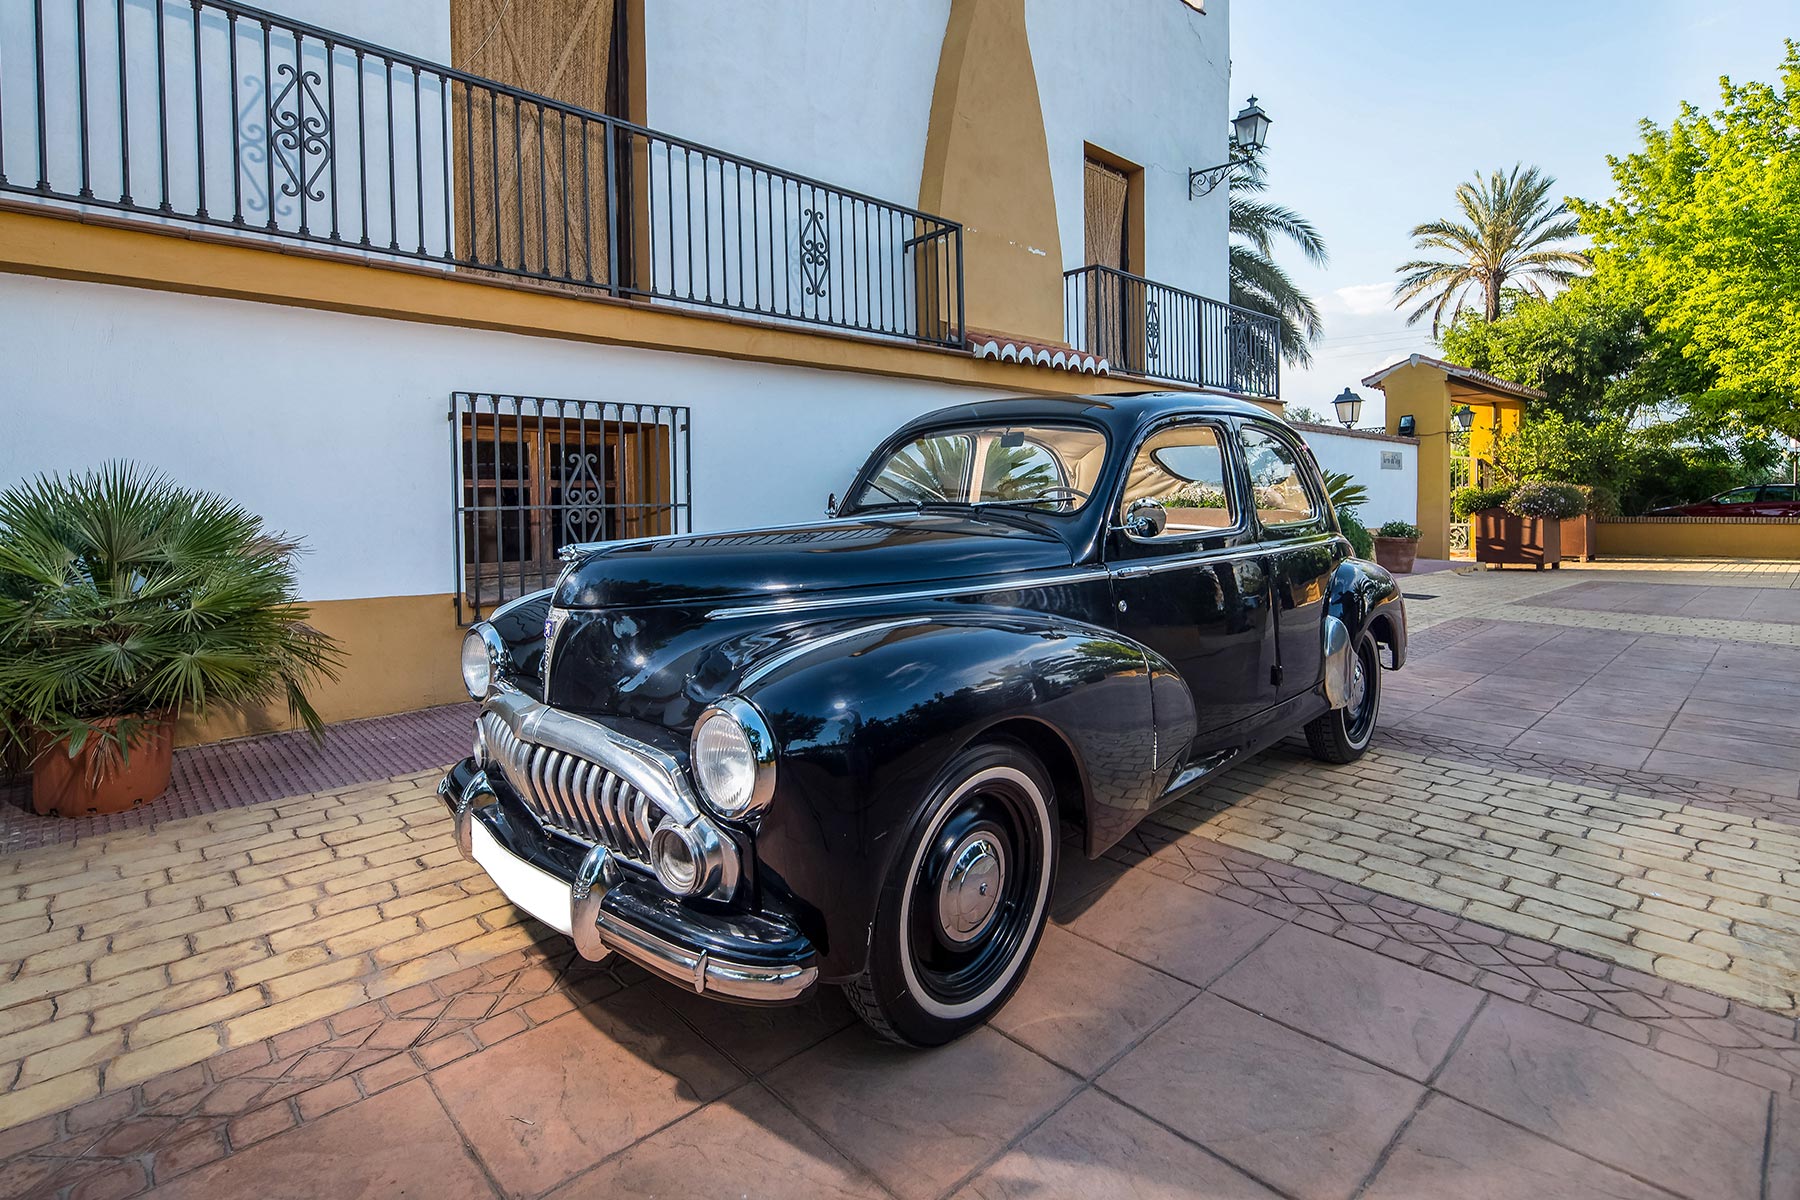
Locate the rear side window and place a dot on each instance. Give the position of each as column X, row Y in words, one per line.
column 1277, row 481
column 1183, row 469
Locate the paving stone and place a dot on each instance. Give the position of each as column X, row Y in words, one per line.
column 1687, row 1128
column 1095, row 1146
column 746, row 1144
column 624, row 1070
column 1173, row 928
column 920, row 1121
column 1296, row 1112
column 1397, row 1015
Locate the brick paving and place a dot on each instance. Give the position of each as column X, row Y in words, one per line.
column 1448, row 969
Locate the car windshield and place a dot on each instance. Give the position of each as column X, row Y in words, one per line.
column 1050, row 468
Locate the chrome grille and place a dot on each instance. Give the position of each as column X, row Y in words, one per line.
column 571, row 794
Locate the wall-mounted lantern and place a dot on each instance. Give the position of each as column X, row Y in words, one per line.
column 1349, row 408
column 1249, row 133
column 1462, row 418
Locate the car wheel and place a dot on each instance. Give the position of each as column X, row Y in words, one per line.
column 965, row 903
column 1341, row 735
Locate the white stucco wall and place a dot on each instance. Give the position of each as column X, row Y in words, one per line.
column 333, row 427
column 1393, row 493
column 840, row 92
column 1145, row 80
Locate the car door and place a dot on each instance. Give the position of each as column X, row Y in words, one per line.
column 1738, row 502
column 1195, row 592
column 1300, row 548
column 1776, row 500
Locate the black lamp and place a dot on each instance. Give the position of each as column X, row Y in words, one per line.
column 1462, row 417
column 1249, row 133
column 1348, row 405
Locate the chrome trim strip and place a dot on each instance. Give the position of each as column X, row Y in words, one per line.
column 1012, row 583
column 1193, row 560
column 516, row 601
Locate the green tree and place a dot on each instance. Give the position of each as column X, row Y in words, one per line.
column 1258, row 282
column 1704, row 225
column 1508, row 237
column 1590, row 349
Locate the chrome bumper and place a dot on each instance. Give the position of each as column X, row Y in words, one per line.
column 596, row 908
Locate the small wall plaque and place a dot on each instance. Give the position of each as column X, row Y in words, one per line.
column 1390, row 460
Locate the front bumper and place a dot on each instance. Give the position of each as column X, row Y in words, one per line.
column 605, row 908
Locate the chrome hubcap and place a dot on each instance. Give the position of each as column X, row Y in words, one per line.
column 969, row 893
column 1359, row 684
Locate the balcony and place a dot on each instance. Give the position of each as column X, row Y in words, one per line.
column 210, row 114
column 1151, row 329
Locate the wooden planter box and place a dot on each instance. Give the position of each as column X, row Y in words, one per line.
column 1396, row 554
column 1578, row 539
column 1503, row 539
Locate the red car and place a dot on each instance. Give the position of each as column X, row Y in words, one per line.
column 1769, row 500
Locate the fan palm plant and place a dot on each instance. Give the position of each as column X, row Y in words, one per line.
column 126, row 601
column 1508, row 236
column 1258, row 282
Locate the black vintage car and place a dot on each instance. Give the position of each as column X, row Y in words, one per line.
column 762, row 760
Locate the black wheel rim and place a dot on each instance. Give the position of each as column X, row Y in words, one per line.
column 997, row 814
column 1359, row 721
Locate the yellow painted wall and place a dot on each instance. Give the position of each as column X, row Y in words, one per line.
column 987, row 165
column 401, row 653
column 1675, row 538
column 1418, row 391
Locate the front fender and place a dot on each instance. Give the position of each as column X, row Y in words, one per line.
column 868, row 720
column 1364, row 596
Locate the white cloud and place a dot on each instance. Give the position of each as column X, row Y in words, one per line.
column 1366, row 299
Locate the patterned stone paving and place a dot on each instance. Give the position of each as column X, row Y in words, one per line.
column 316, row 996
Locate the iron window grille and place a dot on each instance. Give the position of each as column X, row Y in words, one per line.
column 532, row 475
column 216, row 114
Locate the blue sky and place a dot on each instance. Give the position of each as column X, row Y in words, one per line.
column 1380, row 110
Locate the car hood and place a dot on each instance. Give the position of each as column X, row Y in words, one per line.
column 747, row 566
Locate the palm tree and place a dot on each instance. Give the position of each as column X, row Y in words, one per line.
column 1257, row 280
column 1508, row 237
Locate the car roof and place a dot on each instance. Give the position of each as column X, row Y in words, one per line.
column 1121, row 414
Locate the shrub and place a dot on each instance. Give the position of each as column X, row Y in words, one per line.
column 1398, row 529
column 1602, row 501
column 1471, row 500
column 125, row 596
column 1360, row 541
column 1547, row 501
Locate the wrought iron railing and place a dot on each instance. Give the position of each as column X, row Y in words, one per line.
column 1147, row 328
column 205, row 112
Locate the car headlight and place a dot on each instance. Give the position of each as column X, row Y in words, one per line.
column 733, row 756
column 483, row 657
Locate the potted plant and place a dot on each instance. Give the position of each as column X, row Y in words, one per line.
column 125, row 603
column 1527, row 528
column 1578, row 532
column 1396, row 546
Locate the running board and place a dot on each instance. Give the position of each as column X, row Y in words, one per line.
column 1194, row 774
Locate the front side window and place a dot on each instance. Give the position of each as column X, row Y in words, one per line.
column 1276, row 482
column 1739, row 496
column 1051, row 468
column 1183, row 469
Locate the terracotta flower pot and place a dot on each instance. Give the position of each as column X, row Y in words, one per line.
column 66, row 787
column 1395, row 555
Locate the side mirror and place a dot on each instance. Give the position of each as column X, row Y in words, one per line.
column 831, row 505
column 1145, row 518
